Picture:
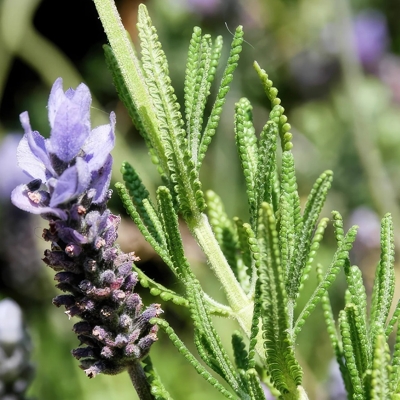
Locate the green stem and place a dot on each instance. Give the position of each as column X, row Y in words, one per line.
column 139, row 381
column 131, row 72
column 240, row 304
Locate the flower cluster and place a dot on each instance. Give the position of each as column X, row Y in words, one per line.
column 70, row 175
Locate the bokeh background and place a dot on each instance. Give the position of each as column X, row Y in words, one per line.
column 336, row 64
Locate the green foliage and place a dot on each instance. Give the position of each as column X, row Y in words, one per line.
column 262, row 265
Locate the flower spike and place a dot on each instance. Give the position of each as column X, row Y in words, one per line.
column 71, row 174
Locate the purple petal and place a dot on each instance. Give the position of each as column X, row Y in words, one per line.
column 73, row 182
column 84, row 176
column 70, row 235
column 71, row 125
column 99, row 144
column 57, row 96
column 37, row 143
column 97, row 223
column 20, row 199
column 28, row 162
column 101, row 180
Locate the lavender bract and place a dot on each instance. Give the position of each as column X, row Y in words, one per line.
column 70, row 175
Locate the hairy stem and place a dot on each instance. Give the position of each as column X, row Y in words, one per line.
column 139, row 381
column 240, row 304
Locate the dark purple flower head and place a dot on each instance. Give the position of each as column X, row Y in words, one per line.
column 72, row 162
column 70, row 175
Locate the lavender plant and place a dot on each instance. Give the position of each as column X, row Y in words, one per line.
column 262, row 265
column 70, row 175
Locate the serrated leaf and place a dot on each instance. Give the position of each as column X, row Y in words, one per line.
column 200, row 91
column 170, row 124
column 246, row 144
column 393, row 320
column 157, row 389
column 395, row 374
column 380, row 371
column 289, row 211
column 169, row 220
column 189, row 357
column 239, row 350
column 135, row 216
column 358, row 297
column 317, row 238
column 350, row 345
column 333, row 335
column 284, row 370
column 139, row 194
column 255, row 327
column 337, row 263
column 207, row 340
column 213, row 120
column 311, row 214
column 266, row 166
column 383, row 289
column 277, row 111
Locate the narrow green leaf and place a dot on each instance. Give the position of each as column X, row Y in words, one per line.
column 383, row 290
column 133, row 213
column 358, row 297
column 157, row 388
column 213, row 120
column 395, row 374
column 380, row 371
column 190, row 75
column 277, row 111
column 189, row 356
column 239, row 350
column 337, row 263
column 207, row 340
column 266, row 166
column 169, row 220
column 312, row 210
column 317, row 238
column 139, row 195
column 254, row 383
column 245, row 251
column 246, row 143
column 333, row 335
column 285, row 372
column 254, row 327
column 201, row 91
column 348, row 331
column 170, row 123
column 289, row 211
column 157, row 289
column 393, row 320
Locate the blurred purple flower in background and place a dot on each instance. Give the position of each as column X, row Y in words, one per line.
column 70, row 175
column 371, row 37
column 204, row 7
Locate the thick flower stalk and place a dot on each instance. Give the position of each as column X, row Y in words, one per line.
column 70, row 175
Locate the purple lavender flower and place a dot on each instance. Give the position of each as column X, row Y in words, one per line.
column 70, row 175
column 371, row 37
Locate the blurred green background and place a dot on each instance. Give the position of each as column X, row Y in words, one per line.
column 336, row 64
